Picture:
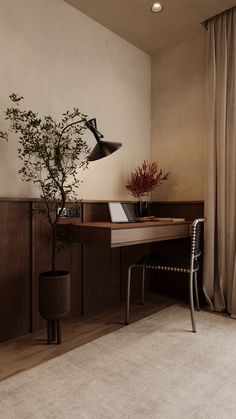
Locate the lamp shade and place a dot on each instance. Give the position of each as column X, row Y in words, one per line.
column 103, row 149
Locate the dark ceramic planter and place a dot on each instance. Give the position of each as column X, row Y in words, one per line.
column 54, row 294
column 54, row 301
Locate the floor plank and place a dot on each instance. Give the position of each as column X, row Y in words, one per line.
column 27, row 351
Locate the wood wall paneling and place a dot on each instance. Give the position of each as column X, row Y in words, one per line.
column 15, row 233
column 95, row 211
column 189, row 210
column 41, row 258
column 101, row 277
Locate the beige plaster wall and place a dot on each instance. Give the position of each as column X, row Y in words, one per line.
column 178, row 133
column 58, row 58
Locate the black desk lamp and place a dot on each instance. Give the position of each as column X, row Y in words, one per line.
column 102, row 148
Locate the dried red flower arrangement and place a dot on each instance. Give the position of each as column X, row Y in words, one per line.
column 145, row 179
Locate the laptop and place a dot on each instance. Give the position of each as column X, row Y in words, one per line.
column 122, row 213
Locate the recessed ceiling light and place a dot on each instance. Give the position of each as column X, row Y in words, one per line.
column 156, row 7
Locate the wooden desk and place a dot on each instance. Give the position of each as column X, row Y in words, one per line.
column 108, row 249
column 121, row 234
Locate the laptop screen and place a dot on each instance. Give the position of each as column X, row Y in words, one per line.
column 122, row 213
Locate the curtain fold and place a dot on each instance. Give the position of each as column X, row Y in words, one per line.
column 219, row 281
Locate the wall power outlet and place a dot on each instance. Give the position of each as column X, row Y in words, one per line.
column 70, row 212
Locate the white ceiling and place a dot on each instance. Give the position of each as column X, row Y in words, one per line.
column 151, row 32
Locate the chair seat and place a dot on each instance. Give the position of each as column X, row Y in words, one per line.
column 167, row 264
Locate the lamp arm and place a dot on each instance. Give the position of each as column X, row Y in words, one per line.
column 57, row 147
column 70, row 125
column 88, row 124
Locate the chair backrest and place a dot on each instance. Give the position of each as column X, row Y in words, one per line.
column 196, row 237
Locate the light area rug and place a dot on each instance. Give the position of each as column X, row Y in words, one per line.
column 155, row 368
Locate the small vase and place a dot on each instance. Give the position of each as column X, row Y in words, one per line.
column 142, row 209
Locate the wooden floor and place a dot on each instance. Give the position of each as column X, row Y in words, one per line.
column 27, row 351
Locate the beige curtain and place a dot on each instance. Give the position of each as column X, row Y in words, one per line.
column 219, row 281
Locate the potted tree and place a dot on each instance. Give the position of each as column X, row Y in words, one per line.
column 51, row 153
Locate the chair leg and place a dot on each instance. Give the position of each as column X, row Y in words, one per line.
column 196, row 291
column 191, row 301
column 143, row 280
column 128, row 294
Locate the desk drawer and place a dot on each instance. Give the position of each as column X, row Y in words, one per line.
column 128, row 237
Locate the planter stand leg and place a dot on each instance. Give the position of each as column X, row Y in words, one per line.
column 58, row 332
column 54, row 330
column 49, row 331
